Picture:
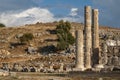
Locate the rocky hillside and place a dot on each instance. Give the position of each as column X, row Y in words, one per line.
column 44, row 41
column 44, row 35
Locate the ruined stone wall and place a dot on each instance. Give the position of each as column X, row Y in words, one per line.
column 111, row 56
column 113, row 50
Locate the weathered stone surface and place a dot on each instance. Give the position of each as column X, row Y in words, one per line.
column 4, row 52
column 111, row 42
column 3, row 73
column 104, row 48
column 31, row 50
column 109, row 60
column 98, row 67
column 118, row 42
column 115, row 61
column 116, row 51
column 108, row 68
column 104, row 59
column 88, row 39
column 95, row 28
column 51, row 68
column 79, row 49
column 32, row 69
column 19, row 35
column 113, row 50
column 110, row 51
column 61, row 67
column 95, row 37
column 110, row 55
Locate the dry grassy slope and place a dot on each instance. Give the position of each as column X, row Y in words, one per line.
column 43, row 33
column 44, row 38
column 9, row 34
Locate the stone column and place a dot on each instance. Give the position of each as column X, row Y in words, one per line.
column 105, row 53
column 95, row 28
column 95, row 37
column 88, row 40
column 79, row 50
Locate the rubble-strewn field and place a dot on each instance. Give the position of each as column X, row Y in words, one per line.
column 44, row 42
column 45, row 39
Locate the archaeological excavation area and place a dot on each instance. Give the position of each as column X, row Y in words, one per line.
column 90, row 52
column 96, row 49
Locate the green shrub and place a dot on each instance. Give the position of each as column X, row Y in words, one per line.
column 2, row 25
column 26, row 37
column 65, row 38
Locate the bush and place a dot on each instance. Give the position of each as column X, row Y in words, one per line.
column 65, row 38
column 2, row 25
column 26, row 37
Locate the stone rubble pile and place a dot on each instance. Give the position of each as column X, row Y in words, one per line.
column 52, row 68
column 4, row 52
column 90, row 54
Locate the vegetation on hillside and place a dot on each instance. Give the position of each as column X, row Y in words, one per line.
column 65, row 38
column 26, row 37
column 2, row 25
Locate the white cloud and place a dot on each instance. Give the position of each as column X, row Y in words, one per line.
column 74, row 12
column 71, row 19
column 28, row 16
column 33, row 15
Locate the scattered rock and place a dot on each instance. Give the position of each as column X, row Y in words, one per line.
column 4, row 52
column 31, row 50
column 3, row 73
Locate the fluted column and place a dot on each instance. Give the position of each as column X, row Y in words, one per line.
column 88, row 39
column 79, row 50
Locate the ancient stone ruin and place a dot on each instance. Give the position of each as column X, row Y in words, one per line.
column 89, row 53
column 79, row 50
column 90, row 41
column 88, row 37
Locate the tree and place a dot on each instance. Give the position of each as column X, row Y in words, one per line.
column 2, row 25
column 26, row 37
column 65, row 38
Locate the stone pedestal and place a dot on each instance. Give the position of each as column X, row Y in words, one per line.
column 78, row 69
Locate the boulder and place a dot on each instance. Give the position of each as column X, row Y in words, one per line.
column 111, row 42
column 4, row 52
column 31, row 50
column 19, row 35
column 115, row 60
column 3, row 73
column 98, row 67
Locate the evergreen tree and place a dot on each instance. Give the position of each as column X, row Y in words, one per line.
column 65, row 38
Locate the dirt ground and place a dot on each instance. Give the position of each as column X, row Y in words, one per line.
column 35, row 78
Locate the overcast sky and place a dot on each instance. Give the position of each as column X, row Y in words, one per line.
column 21, row 12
